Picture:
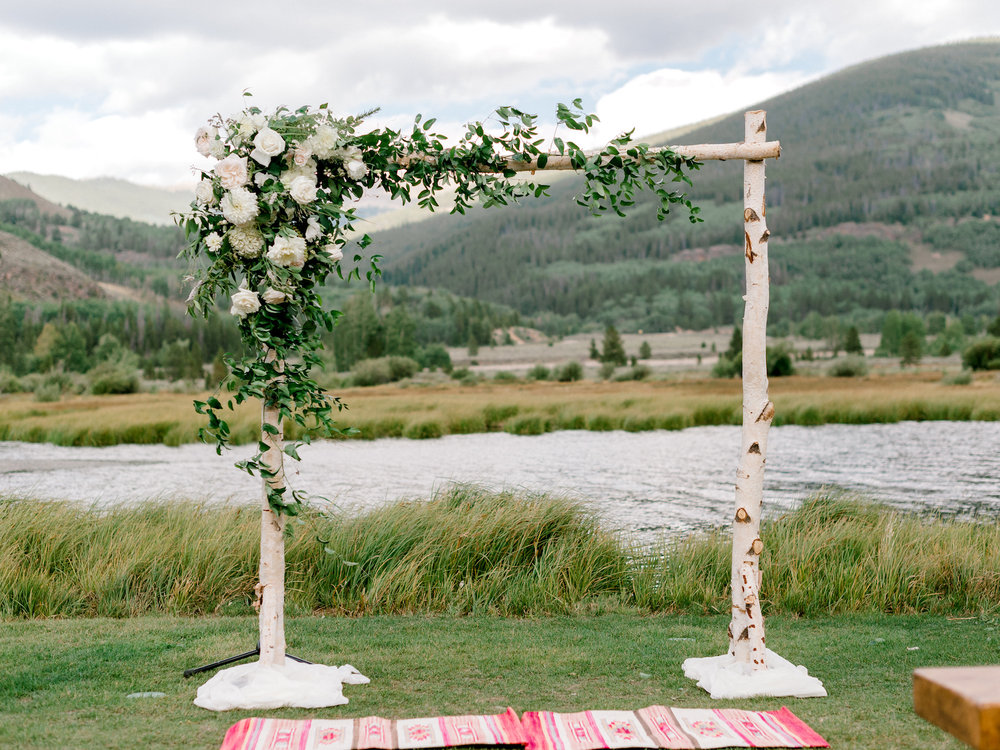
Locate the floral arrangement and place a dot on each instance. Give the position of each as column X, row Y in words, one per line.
column 273, row 218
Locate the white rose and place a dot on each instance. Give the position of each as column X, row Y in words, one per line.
column 313, row 229
column 334, row 252
column 267, row 143
column 239, row 206
column 274, row 297
column 245, row 302
column 288, row 252
column 213, row 242
column 302, row 190
column 251, row 123
column 204, row 193
column 203, row 140
column 217, row 149
column 301, row 156
column 356, row 169
column 232, row 171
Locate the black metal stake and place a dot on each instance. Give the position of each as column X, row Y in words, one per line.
column 238, row 657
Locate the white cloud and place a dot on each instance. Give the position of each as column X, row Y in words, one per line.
column 670, row 98
column 103, row 87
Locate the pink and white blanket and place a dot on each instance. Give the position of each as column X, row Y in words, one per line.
column 654, row 727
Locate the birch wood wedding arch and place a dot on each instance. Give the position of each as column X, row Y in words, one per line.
column 746, row 629
column 748, row 668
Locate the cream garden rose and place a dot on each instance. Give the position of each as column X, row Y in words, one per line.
column 288, row 252
column 203, row 139
column 245, row 302
column 232, row 171
column 273, row 296
column 204, row 193
column 302, row 190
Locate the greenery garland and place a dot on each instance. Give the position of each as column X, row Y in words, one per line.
column 271, row 221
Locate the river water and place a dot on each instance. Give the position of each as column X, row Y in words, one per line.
column 644, row 483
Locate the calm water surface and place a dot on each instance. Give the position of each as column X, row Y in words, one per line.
column 644, row 482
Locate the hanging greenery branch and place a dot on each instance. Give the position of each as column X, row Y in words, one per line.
column 273, row 218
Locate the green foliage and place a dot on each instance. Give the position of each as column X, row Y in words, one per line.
column 911, row 348
column 896, row 327
column 612, row 348
column 983, row 354
column 383, row 370
column 851, row 366
column 852, row 341
column 645, row 351
column 539, row 372
column 270, row 246
column 569, row 372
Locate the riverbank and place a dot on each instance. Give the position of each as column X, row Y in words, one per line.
column 421, row 411
column 66, row 682
column 472, row 552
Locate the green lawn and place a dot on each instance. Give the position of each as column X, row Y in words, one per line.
column 63, row 683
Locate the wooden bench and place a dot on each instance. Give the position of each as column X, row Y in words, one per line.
column 964, row 701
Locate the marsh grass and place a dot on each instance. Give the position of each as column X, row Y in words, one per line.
column 469, row 551
column 526, row 408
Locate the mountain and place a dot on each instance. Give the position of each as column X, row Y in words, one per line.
column 14, row 191
column 108, row 196
column 29, row 273
column 886, row 196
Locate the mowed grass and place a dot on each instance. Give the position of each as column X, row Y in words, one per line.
column 65, row 682
column 470, row 551
column 427, row 411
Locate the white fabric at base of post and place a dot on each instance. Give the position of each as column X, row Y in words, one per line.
column 725, row 677
column 257, row 685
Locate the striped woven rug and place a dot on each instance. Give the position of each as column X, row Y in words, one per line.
column 376, row 733
column 653, row 727
column 662, row 727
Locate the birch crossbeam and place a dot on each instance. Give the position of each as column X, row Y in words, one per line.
column 700, row 152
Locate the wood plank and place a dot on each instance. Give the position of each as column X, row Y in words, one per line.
column 964, row 701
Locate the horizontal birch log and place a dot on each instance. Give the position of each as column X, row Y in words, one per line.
column 700, row 152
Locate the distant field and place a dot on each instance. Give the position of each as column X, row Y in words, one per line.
column 428, row 410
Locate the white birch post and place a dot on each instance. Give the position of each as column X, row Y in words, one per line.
column 271, row 586
column 275, row 681
column 749, row 669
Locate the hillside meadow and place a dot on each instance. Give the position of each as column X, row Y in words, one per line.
column 429, row 410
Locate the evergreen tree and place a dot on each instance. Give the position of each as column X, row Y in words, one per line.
column 645, row 351
column 612, row 348
column 852, row 341
column 735, row 343
column 911, row 348
column 594, row 354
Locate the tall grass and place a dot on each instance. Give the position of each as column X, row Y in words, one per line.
column 472, row 551
column 523, row 408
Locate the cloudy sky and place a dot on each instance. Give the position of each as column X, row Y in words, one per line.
column 117, row 87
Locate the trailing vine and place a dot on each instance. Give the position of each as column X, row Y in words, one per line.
column 273, row 218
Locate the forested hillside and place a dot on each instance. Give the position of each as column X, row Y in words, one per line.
column 886, row 196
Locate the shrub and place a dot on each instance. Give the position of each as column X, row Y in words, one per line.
column 504, row 376
column 983, row 354
column 851, row 366
column 959, row 378
column 108, row 378
column 607, row 370
column 638, row 372
column 462, row 373
column 569, row 372
column 367, row 372
column 10, row 384
column 539, row 372
column 433, row 357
